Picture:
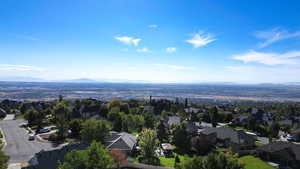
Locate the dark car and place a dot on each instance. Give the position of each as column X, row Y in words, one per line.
column 31, row 137
column 40, row 131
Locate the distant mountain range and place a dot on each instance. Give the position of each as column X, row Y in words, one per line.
column 87, row 80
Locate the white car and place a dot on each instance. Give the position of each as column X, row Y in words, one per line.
column 23, row 125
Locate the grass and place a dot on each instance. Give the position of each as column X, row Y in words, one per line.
column 134, row 133
column 251, row 162
column 169, row 162
column 258, row 143
column 20, row 116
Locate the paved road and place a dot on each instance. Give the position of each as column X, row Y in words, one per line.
column 18, row 147
column 9, row 117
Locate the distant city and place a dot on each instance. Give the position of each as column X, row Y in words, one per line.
column 107, row 91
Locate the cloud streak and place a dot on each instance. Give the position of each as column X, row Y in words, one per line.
column 143, row 50
column 128, row 40
column 274, row 35
column 8, row 67
column 201, row 39
column 173, row 67
column 171, row 50
column 271, row 59
column 153, row 26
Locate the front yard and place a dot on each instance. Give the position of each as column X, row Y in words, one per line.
column 254, row 163
column 169, row 162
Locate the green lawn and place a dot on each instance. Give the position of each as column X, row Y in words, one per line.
column 258, row 143
column 20, row 116
column 254, row 163
column 169, row 162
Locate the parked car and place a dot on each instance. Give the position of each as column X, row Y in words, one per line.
column 290, row 138
column 31, row 137
column 23, row 125
column 40, row 131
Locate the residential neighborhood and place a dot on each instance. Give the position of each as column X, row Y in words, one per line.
column 146, row 133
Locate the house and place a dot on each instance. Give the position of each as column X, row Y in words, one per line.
column 228, row 137
column 296, row 134
column 240, row 119
column 167, row 149
column 172, row 120
column 192, row 127
column 121, row 141
column 50, row 159
column 192, row 110
column 148, row 109
column 2, row 113
column 140, row 166
column 286, row 122
column 284, row 153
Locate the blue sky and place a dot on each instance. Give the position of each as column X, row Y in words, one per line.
column 151, row 40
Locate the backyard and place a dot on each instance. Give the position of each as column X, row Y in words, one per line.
column 254, row 163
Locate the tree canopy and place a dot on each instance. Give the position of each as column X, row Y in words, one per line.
column 94, row 157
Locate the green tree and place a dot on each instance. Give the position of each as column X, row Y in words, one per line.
column 95, row 130
column 162, row 132
column 212, row 161
column 94, row 157
column 62, row 119
column 133, row 122
column 181, row 138
column 75, row 127
column 273, row 131
column 213, row 114
column 116, row 117
column 34, row 117
column 148, row 143
column 3, row 160
column 149, row 120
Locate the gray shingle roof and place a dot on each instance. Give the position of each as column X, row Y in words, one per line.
column 238, row 137
column 121, row 141
column 280, row 146
column 171, row 120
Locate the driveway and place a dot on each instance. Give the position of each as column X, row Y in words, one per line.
column 18, row 147
column 9, row 117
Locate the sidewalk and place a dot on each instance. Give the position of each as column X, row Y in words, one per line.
column 14, row 166
column 9, row 117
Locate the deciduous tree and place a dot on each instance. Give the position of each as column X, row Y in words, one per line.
column 95, row 130
column 94, row 157
column 148, row 143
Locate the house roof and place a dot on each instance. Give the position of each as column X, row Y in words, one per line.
column 173, row 120
column 2, row 112
column 192, row 110
column 141, row 166
column 286, row 122
column 167, row 146
column 223, row 133
column 280, row 146
column 148, row 109
column 297, row 131
column 121, row 141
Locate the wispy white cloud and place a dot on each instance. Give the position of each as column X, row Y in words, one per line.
column 201, row 39
column 128, row 40
column 153, row 26
column 171, row 49
column 143, row 50
column 8, row 67
column 288, row 58
column 274, row 35
column 173, row 67
column 263, row 74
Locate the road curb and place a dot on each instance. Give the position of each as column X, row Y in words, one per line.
column 3, row 139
